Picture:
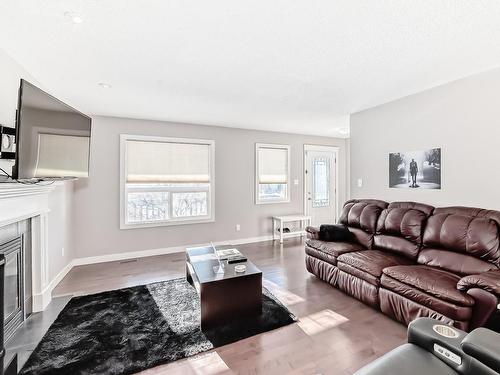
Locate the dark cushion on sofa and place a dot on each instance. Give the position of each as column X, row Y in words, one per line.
column 335, row 233
column 372, row 261
column 431, row 280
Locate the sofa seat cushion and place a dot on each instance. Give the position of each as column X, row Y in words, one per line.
column 325, row 257
column 372, row 261
column 334, row 249
column 434, row 281
column 445, row 308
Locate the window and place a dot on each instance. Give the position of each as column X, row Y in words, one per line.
column 272, row 170
column 166, row 181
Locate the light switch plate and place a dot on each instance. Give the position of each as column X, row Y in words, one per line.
column 295, row 182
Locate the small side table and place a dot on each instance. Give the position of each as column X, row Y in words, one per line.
column 279, row 221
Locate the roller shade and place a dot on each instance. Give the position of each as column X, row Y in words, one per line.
column 62, row 156
column 273, row 165
column 167, row 162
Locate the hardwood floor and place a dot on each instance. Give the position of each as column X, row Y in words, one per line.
column 336, row 333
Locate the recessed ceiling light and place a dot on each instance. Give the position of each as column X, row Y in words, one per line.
column 74, row 17
column 104, row 85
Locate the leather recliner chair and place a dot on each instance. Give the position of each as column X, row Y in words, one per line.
column 411, row 260
column 440, row 350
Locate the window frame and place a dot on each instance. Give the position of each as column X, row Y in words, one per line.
column 177, row 221
column 256, row 188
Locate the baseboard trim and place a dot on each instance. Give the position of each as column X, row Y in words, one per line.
column 124, row 256
column 162, row 251
column 41, row 301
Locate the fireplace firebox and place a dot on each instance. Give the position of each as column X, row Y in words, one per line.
column 15, row 246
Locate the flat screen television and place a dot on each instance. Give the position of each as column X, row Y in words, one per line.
column 53, row 139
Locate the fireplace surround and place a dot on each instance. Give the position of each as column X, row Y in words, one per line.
column 24, row 212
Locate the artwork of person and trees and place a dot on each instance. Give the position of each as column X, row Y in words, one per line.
column 415, row 169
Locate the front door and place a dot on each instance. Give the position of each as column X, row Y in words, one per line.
column 320, row 183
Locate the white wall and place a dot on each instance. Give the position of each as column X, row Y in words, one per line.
column 462, row 117
column 61, row 229
column 97, row 198
column 61, row 199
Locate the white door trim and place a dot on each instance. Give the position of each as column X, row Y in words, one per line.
column 335, row 150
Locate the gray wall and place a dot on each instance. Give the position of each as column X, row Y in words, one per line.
column 61, row 199
column 462, row 117
column 97, row 198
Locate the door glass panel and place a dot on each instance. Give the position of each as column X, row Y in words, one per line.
column 321, row 182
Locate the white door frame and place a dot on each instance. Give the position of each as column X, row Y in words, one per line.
column 335, row 150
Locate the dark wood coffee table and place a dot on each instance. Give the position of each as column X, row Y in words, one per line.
column 223, row 296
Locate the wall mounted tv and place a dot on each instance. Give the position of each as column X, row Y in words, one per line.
column 53, row 139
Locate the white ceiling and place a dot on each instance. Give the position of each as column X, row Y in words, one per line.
column 282, row 65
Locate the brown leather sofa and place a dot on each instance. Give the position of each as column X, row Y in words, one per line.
column 412, row 260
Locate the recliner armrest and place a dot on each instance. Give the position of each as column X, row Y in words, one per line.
column 484, row 345
column 312, row 233
column 489, row 281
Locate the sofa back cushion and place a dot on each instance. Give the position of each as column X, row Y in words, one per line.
column 361, row 216
column 472, row 232
column 460, row 264
column 400, row 227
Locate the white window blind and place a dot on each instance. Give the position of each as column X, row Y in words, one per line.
column 167, row 162
column 166, row 181
column 272, row 173
column 273, row 165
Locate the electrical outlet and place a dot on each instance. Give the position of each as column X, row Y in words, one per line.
column 62, row 251
column 360, row 182
column 238, row 227
column 295, row 182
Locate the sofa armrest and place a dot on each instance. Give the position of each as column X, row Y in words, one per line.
column 312, row 233
column 489, row 281
column 482, row 344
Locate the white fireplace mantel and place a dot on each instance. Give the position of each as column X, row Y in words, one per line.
column 17, row 189
column 20, row 202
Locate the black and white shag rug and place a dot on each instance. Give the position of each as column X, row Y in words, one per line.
column 128, row 330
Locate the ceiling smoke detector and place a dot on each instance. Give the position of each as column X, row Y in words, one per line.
column 104, row 85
